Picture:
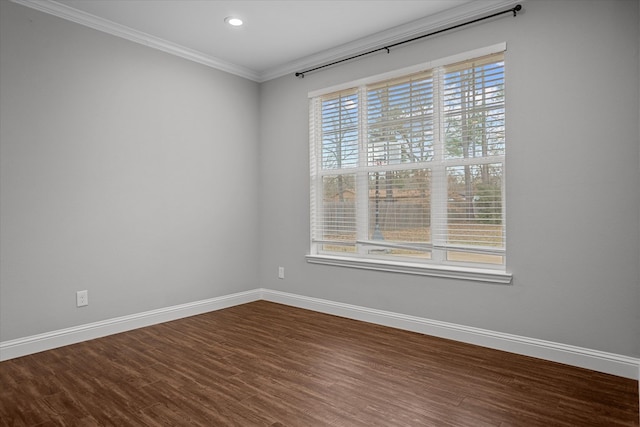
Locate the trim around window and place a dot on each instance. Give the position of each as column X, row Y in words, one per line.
column 420, row 269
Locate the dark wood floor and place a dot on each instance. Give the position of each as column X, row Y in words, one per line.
column 265, row 364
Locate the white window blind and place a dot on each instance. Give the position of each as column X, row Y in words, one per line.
column 411, row 167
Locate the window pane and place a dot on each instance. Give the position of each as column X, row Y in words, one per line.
column 400, row 120
column 400, row 210
column 474, row 207
column 340, row 131
column 474, row 257
column 474, row 119
column 346, row 248
column 338, row 219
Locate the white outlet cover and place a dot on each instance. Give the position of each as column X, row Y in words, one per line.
column 82, row 298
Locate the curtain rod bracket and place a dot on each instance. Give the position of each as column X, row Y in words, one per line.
column 517, row 9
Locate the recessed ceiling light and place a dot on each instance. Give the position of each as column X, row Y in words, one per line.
column 233, row 21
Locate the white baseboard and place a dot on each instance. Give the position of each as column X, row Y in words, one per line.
column 50, row 340
column 610, row 363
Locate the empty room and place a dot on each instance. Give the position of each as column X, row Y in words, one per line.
column 319, row 213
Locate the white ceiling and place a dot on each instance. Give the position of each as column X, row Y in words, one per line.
column 278, row 37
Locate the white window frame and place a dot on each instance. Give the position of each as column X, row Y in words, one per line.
column 491, row 274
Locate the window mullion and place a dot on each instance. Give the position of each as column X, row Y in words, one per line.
column 438, row 171
column 316, row 178
column 362, row 185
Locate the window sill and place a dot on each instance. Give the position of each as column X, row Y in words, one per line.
column 450, row 272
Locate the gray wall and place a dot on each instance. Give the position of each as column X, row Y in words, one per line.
column 125, row 171
column 152, row 181
column 573, row 179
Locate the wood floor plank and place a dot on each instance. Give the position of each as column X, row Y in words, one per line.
column 268, row 365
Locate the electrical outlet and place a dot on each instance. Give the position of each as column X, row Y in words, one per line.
column 280, row 272
column 82, row 298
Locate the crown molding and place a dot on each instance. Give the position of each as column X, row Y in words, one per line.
column 467, row 11
column 65, row 12
column 416, row 28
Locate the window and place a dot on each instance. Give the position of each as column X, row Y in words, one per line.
column 407, row 170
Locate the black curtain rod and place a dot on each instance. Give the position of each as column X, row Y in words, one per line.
column 514, row 10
